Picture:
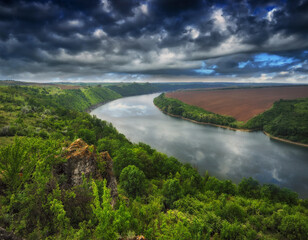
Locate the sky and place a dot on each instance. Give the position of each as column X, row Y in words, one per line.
column 154, row 40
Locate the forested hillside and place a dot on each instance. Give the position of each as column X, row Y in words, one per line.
column 287, row 119
column 135, row 88
column 158, row 197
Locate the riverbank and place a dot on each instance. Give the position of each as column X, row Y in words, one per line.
column 91, row 108
column 235, row 129
column 204, row 123
column 285, row 140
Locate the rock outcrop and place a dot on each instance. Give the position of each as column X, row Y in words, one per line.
column 109, row 175
column 80, row 160
column 83, row 160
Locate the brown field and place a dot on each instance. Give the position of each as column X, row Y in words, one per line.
column 67, row 86
column 242, row 104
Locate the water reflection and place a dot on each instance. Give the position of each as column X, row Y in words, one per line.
column 224, row 153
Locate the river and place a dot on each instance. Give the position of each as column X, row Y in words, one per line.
column 224, row 153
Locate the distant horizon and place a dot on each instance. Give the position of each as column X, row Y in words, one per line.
column 153, row 81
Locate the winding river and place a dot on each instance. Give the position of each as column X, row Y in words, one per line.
column 226, row 154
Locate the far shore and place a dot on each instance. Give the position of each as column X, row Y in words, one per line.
column 211, row 124
column 236, row 129
column 285, row 140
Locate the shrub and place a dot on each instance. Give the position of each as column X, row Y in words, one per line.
column 132, row 180
column 87, row 135
column 294, row 227
column 15, row 163
column 249, row 187
column 232, row 231
column 172, row 191
column 276, row 194
column 233, row 212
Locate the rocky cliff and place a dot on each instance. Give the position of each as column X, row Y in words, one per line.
column 81, row 159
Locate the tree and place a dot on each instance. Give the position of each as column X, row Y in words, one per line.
column 104, row 214
column 172, row 191
column 132, row 180
column 294, row 226
column 249, row 187
column 87, row 135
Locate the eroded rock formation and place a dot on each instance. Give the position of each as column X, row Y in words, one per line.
column 81, row 159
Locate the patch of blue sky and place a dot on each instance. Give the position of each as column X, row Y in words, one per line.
column 270, row 8
column 257, row 11
column 220, row 5
column 271, row 60
column 243, row 64
column 300, row 65
column 204, row 70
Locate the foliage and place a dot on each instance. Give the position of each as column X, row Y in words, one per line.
column 172, row 191
column 133, row 88
column 133, row 180
column 16, row 165
column 178, row 108
column 87, row 135
column 104, row 214
column 249, row 187
column 220, row 186
column 294, row 226
column 286, row 119
column 110, row 222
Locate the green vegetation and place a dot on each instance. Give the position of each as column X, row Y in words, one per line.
column 133, row 180
column 159, row 197
column 135, row 88
column 287, row 119
column 178, row 108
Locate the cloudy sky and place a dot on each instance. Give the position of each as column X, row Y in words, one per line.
column 154, row 40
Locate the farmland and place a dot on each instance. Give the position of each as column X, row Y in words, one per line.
column 241, row 104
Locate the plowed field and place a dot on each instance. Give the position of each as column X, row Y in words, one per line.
column 242, row 104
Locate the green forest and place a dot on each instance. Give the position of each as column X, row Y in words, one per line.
column 287, row 119
column 178, row 108
column 158, row 197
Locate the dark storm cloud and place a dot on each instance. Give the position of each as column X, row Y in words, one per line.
column 124, row 7
column 174, row 8
column 102, row 39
